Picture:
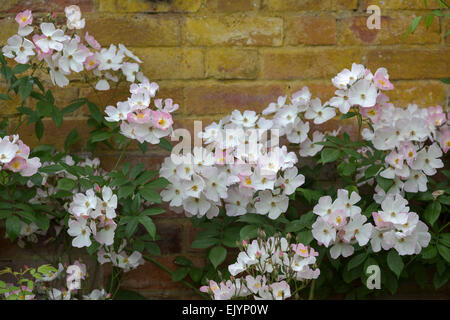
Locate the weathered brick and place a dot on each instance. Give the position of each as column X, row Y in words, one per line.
column 310, row 30
column 307, row 64
column 344, row 4
column 167, row 63
column 402, row 4
column 150, row 276
column 229, row 63
column 237, row 29
column 8, row 27
column 45, row 5
column 296, row 5
column 232, row 5
column 422, row 93
column 8, row 107
column 322, row 89
column 135, row 30
column 54, row 135
column 411, row 63
column 354, row 31
column 149, row 6
column 226, row 97
column 172, row 236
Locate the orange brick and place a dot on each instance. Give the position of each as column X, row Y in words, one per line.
column 317, row 30
column 168, row 63
column 134, row 30
column 354, row 31
column 9, row 28
column 236, row 29
column 227, row 97
column 230, row 63
column 411, row 63
column 54, row 135
column 308, row 63
column 422, row 93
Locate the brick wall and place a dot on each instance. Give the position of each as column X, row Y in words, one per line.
column 214, row 56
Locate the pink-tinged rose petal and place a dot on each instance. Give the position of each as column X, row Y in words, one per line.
column 162, row 120
column 92, row 42
column 17, row 164
column 24, row 18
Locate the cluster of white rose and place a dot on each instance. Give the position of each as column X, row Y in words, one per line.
column 415, row 139
column 14, row 156
column 120, row 258
column 271, row 265
column 138, row 121
column 341, row 225
column 92, row 215
column 29, row 232
column 66, row 53
column 241, row 168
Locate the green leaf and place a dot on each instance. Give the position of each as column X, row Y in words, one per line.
column 395, row 262
column 71, row 139
column 182, row 261
column 432, row 212
column 149, row 225
column 429, row 252
column 195, row 274
column 44, row 108
column 165, row 144
column 357, row 260
column 131, row 227
column 444, row 252
column 150, row 194
column 66, row 184
column 39, row 129
column 25, row 88
column 73, row 106
column 440, row 279
column 125, row 191
column 384, row 183
column 429, row 20
column 446, row 80
column 13, row 226
column 413, row 26
column 372, row 170
column 4, row 97
column 100, row 136
column 136, row 170
column 95, row 112
column 346, row 169
column 21, row 68
column 305, row 237
column 217, row 255
column 159, row 183
column 204, row 243
column 152, row 211
column 329, row 155
column 444, row 238
column 179, row 274
column 248, row 232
